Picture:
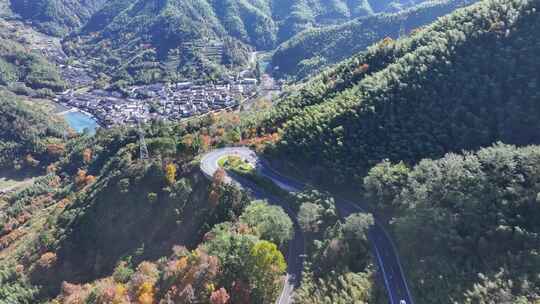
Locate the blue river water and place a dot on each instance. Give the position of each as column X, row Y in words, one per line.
column 80, row 121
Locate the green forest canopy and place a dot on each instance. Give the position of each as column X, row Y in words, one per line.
column 24, row 70
column 28, row 135
column 467, row 225
column 315, row 48
column 464, row 82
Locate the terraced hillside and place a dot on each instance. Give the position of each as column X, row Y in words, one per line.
column 145, row 41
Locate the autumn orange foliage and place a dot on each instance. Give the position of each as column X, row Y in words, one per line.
column 56, row 150
column 206, row 142
column 386, row 41
column 192, row 275
column 220, row 132
column 82, row 179
column 244, row 229
column 74, row 294
column 120, row 294
column 87, row 155
column 217, row 181
column 10, row 238
column 362, row 68
column 260, row 142
column 51, row 169
column 146, row 293
column 47, row 260
column 187, row 140
column 219, row 177
column 219, row 296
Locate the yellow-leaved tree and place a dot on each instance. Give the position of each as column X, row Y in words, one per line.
column 268, row 266
column 170, row 173
column 146, row 293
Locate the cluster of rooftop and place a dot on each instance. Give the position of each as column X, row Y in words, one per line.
column 163, row 101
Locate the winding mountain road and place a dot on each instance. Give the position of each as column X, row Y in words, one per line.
column 382, row 246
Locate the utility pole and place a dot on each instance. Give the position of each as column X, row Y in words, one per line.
column 143, row 148
column 164, row 105
column 402, row 29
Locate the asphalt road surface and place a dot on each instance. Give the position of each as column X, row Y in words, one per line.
column 382, row 246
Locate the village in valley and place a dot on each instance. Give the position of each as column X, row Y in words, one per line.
column 160, row 101
column 168, row 101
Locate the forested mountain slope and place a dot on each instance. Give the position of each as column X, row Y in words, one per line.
column 161, row 202
column 316, row 48
column 23, row 70
column 5, row 9
column 29, row 138
column 173, row 35
column 61, row 16
column 145, row 41
column 467, row 225
column 186, row 234
column 466, row 81
column 56, row 17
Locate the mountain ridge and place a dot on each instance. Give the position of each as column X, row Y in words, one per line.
column 311, row 50
column 349, row 117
